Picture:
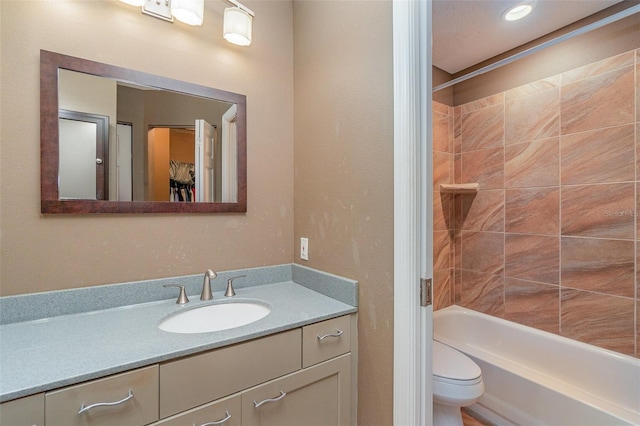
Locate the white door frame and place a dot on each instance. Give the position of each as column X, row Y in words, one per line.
column 229, row 155
column 413, row 212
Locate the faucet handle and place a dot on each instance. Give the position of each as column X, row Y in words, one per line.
column 182, row 298
column 230, row 292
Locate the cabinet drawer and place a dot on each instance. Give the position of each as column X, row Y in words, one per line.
column 325, row 340
column 62, row 406
column 196, row 380
column 27, row 411
column 214, row 413
column 320, row 395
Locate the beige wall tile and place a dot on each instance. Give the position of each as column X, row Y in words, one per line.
column 457, row 168
column 482, row 103
column 532, row 304
column 482, row 292
column 638, row 145
column 605, row 211
column 483, row 128
column 532, row 164
column 601, row 101
column 457, row 131
column 483, row 211
column 638, row 85
column 457, row 250
column 586, row 223
column 441, row 169
column 605, row 266
column 533, row 210
column 457, row 287
column 440, row 108
column 485, row 167
column 597, row 68
column 442, row 289
column 532, row 258
column 441, row 140
column 532, row 117
column 441, row 249
column 483, row 252
column 598, row 156
column 598, row 319
column 442, row 211
column 531, row 88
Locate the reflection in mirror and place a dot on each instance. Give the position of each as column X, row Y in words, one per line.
column 115, row 141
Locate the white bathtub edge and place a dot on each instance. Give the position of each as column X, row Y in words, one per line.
column 534, row 379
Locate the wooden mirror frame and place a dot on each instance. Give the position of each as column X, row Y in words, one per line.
column 50, row 203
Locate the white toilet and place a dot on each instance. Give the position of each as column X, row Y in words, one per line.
column 457, row 382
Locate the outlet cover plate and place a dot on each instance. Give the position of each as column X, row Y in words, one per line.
column 304, row 248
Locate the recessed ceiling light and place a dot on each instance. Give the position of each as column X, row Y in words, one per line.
column 518, row 11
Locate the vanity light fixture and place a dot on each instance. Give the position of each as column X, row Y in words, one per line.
column 518, row 11
column 138, row 3
column 238, row 22
column 190, row 12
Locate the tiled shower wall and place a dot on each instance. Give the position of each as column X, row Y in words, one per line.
column 550, row 239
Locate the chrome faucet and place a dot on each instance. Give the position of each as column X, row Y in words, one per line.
column 206, row 285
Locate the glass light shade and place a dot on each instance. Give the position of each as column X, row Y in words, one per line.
column 518, row 12
column 138, row 3
column 190, row 12
column 237, row 26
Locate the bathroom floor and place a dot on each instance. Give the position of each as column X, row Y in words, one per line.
column 469, row 420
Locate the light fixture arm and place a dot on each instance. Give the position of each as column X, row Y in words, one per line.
column 241, row 7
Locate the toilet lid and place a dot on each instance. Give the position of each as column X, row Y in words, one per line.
column 451, row 365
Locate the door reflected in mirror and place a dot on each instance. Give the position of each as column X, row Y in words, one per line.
column 115, row 140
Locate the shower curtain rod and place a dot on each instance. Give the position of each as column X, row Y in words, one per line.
column 590, row 27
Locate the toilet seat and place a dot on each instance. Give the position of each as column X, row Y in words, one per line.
column 453, row 367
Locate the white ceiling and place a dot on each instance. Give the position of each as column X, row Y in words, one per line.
column 467, row 32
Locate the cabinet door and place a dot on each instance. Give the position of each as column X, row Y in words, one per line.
column 325, row 340
column 316, row 396
column 27, row 411
column 129, row 398
column 225, row 411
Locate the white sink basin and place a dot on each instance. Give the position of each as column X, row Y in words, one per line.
column 221, row 316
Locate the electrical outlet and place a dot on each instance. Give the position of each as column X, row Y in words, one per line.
column 304, row 248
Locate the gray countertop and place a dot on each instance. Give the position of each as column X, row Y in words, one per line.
column 49, row 353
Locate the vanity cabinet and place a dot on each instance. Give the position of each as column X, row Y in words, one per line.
column 28, row 411
column 297, row 377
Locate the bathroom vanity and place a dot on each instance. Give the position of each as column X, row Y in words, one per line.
column 295, row 366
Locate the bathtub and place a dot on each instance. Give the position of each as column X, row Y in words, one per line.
column 537, row 378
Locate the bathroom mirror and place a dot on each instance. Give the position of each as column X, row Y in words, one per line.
column 115, row 140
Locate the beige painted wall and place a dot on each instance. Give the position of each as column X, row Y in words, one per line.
column 344, row 170
column 39, row 253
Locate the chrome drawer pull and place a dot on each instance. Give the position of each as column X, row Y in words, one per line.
column 219, row 422
column 276, row 399
column 84, row 409
column 338, row 333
